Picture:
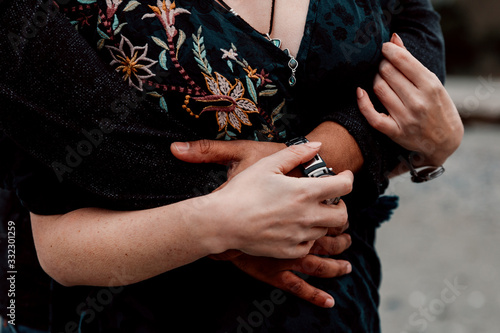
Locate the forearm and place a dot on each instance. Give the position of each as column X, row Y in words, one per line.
column 92, row 246
column 339, row 149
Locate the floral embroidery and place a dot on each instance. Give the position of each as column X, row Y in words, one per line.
column 231, row 98
column 134, row 64
column 231, row 54
column 232, row 107
column 166, row 12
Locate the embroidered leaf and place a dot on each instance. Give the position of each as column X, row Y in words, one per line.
column 154, row 94
column 222, row 119
column 159, row 42
column 224, row 84
column 270, row 86
column 209, row 68
column 200, row 54
column 247, row 105
column 277, row 109
column 268, row 92
column 230, row 65
column 203, row 65
column 220, row 136
column 163, row 60
column 100, row 43
column 163, row 104
column 181, row 40
column 102, row 34
column 242, row 116
column 238, row 90
column 87, row 2
column 115, row 22
column 230, row 135
column 212, row 85
column 251, row 89
column 117, row 31
column 131, row 6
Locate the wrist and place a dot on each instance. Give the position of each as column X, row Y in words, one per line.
column 207, row 228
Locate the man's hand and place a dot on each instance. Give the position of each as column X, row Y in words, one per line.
column 280, row 272
column 237, row 155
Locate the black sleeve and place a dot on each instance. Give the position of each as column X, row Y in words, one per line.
column 91, row 131
column 418, row 25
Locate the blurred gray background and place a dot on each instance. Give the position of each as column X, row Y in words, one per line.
column 440, row 252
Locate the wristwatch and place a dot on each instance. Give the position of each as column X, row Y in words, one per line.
column 316, row 167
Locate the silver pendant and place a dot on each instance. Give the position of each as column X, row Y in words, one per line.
column 292, row 63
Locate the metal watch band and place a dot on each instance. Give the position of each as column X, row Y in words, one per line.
column 424, row 173
column 316, row 167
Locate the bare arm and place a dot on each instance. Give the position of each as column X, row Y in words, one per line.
column 100, row 247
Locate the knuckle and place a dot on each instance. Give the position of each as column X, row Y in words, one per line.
column 205, row 146
column 376, row 122
column 379, row 87
column 334, row 247
column 319, row 269
column 314, row 296
column 296, row 286
column 305, row 194
column 385, row 68
column 402, row 56
column 418, row 104
column 342, row 216
column 347, row 186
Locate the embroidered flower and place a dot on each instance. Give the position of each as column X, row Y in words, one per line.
column 132, row 62
column 252, row 73
column 229, row 54
column 111, row 7
column 231, row 107
column 264, row 78
column 166, row 12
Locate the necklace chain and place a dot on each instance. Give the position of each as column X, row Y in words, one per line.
column 292, row 63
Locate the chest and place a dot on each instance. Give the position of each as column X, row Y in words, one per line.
column 281, row 19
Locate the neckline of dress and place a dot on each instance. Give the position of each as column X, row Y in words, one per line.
column 228, row 9
column 292, row 60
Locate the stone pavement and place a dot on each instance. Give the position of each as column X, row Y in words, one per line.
column 441, row 250
column 476, row 97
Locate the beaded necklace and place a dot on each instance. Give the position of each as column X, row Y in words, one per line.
column 292, row 63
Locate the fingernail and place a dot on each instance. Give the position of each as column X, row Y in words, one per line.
column 181, row 146
column 313, row 145
column 395, row 35
column 360, row 93
column 329, row 303
column 348, row 268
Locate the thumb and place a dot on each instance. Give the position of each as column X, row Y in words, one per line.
column 288, row 159
column 207, row 151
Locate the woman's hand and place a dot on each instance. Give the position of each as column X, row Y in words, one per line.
column 239, row 155
column 260, row 211
column 422, row 116
column 278, row 216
